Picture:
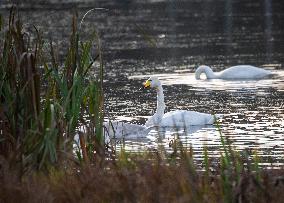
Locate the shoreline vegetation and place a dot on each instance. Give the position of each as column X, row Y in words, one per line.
column 43, row 104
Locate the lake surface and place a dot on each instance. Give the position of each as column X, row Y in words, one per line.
column 253, row 114
column 171, row 39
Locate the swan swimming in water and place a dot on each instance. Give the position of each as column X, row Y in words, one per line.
column 234, row 72
column 178, row 118
column 119, row 129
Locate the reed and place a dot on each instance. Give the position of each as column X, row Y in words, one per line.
column 41, row 110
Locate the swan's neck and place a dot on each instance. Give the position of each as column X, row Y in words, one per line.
column 207, row 70
column 160, row 102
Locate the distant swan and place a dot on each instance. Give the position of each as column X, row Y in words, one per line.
column 234, row 72
column 178, row 118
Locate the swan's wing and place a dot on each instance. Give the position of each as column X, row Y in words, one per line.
column 197, row 118
column 244, row 72
column 181, row 118
column 120, row 129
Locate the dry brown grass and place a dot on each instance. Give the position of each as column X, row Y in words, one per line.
column 141, row 178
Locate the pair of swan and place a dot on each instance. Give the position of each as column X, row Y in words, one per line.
column 185, row 118
column 181, row 118
column 178, row 118
column 245, row 72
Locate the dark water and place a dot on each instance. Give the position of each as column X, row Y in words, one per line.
column 170, row 39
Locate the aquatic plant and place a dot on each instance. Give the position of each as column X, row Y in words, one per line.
column 42, row 104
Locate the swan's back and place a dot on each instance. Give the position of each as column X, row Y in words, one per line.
column 180, row 118
column 120, row 129
column 243, row 72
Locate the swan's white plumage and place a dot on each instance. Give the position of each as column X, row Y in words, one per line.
column 115, row 129
column 178, row 118
column 119, row 129
column 186, row 118
column 234, row 72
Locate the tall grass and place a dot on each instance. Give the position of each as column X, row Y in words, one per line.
column 41, row 110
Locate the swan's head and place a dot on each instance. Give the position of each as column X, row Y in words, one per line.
column 152, row 82
column 206, row 70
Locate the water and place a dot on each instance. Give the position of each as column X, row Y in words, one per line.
column 170, row 39
column 253, row 114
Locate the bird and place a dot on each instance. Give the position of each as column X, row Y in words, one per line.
column 240, row 72
column 120, row 129
column 115, row 130
column 177, row 118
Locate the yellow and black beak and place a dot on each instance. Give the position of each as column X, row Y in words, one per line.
column 147, row 84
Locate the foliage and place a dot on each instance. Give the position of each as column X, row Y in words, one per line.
column 42, row 104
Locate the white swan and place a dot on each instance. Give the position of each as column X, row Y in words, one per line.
column 178, row 118
column 234, row 72
column 119, row 129
column 114, row 129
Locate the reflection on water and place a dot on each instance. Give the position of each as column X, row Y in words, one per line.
column 253, row 114
column 268, row 28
